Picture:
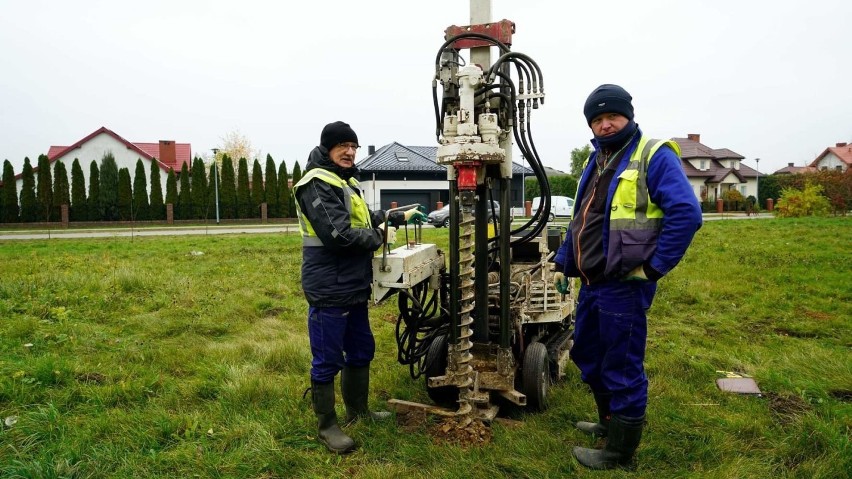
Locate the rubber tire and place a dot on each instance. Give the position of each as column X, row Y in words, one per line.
column 447, row 222
column 536, row 376
column 447, row 396
column 552, row 217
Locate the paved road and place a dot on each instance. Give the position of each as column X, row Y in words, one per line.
column 57, row 233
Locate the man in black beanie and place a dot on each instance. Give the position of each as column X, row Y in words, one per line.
column 339, row 236
column 634, row 218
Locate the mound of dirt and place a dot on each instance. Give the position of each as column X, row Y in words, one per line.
column 461, row 431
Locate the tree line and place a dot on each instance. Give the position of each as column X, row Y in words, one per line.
column 111, row 195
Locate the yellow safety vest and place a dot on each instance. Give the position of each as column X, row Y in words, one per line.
column 359, row 214
column 631, row 207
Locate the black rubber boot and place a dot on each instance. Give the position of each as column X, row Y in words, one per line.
column 601, row 427
column 355, row 385
column 624, row 436
column 322, row 397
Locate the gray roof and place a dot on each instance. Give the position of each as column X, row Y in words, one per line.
column 397, row 157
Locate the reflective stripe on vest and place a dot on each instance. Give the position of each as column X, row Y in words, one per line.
column 359, row 214
column 632, row 208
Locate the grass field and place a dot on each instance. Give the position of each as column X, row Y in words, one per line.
column 188, row 357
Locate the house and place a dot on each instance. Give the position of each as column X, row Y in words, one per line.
column 711, row 172
column 793, row 170
column 838, row 158
column 166, row 153
column 410, row 174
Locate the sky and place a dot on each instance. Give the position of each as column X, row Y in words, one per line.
column 766, row 79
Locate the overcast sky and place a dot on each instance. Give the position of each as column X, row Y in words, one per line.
column 764, row 79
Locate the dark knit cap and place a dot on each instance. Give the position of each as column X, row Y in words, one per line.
column 608, row 99
column 336, row 133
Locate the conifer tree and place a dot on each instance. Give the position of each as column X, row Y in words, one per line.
column 94, row 201
column 61, row 194
column 212, row 190
column 199, row 189
column 109, row 188
column 297, row 175
column 157, row 210
column 228, row 189
column 244, row 208
column 44, row 190
column 258, row 195
column 184, row 204
column 77, row 210
column 124, row 203
column 271, row 189
column 29, row 205
column 140, row 193
column 171, row 190
column 284, row 190
column 10, row 194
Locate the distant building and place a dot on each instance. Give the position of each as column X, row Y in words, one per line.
column 711, row 172
column 836, row 158
column 410, row 174
column 794, row 170
column 166, row 153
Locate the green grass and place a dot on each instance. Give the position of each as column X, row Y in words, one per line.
column 139, row 357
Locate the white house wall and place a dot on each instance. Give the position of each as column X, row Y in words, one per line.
column 831, row 162
column 95, row 149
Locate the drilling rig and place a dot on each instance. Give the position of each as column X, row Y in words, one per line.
column 482, row 322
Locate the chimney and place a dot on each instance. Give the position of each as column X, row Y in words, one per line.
column 168, row 154
column 840, row 145
column 371, row 149
column 790, row 165
column 694, row 137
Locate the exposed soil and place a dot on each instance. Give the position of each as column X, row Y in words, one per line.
column 786, row 409
column 461, row 431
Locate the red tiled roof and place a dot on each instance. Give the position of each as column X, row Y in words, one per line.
column 149, row 151
column 844, row 153
column 183, row 154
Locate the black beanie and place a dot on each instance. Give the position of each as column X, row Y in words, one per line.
column 608, row 99
column 336, row 133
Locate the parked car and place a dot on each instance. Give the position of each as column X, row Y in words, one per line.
column 560, row 206
column 441, row 217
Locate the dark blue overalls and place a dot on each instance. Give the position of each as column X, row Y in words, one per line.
column 609, row 342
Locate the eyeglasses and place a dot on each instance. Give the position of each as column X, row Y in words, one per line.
column 346, row 146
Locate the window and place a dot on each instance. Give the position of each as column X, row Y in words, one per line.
column 401, row 157
column 702, row 165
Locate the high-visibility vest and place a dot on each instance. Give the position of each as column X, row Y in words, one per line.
column 359, row 214
column 631, row 207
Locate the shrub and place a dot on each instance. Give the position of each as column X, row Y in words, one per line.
column 806, row 202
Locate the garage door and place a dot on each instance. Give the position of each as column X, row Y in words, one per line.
column 405, row 197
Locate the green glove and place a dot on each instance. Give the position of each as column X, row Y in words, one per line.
column 638, row 274
column 561, row 282
column 414, row 215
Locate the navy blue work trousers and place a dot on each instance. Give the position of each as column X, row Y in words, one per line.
column 609, row 342
column 340, row 336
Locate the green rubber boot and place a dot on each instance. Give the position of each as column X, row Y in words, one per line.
column 622, row 442
column 601, row 427
column 355, row 385
column 330, row 434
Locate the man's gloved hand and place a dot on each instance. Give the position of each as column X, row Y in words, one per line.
column 390, row 236
column 561, row 282
column 638, row 274
column 413, row 215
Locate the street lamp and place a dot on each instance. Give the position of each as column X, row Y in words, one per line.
column 757, row 182
column 216, row 182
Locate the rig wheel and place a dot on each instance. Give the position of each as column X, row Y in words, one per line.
column 536, row 376
column 436, row 365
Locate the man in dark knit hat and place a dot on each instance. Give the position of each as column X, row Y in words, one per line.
column 634, row 218
column 339, row 236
